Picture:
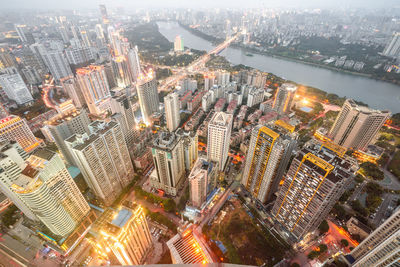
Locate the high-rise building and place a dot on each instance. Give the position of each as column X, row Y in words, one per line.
column 13, row 86
column 255, row 97
column 148, row 95
column 49, row 191
column 209, row 81
column 12, row 160
column 123, row 113
column 103, row 159
column 100, row 34
column 316, row 179
column 190, row 142
column 134, row 63
column 63, row 126
column 13, row 128
column 382, row 246
column 187, row 247
column 284, row 98
column 72, row 89
column 56, row 62
column 127, row 237
column 32, row 75
column 104, row 15
column 202, row 180
column 79, row 54
column 267, row 159
column 169, row 163
column 178, row 44
column 172, row 115
column 356, row 126
column 219, row 134
column 121, row 71
column 392, row 49
column 223, row 77
column 6, row 59
column 95, row 89
column 24, row 34
column 115, row 41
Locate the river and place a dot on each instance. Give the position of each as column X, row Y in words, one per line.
column 377, row 94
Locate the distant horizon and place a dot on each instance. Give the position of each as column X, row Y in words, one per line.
column 134, row 4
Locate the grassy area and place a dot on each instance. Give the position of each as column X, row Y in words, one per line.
column 158, row 217
column 245, row 245
column 168, row 204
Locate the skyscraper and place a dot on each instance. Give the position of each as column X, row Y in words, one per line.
column 72, row 89
column 178, row 44
column 172, row 115
column 56, row 62
column 100, row 34
column 316, row 179
column 134, row 63
column 104, row 15
column 148, row 95
column 284, row 98
column 219, row 134
column 94, row 86
column 392, row 49
column 24, row 34
column 122, row 109
column 356, row 126
column 12, row 160
column 190, row 142
column 267, row 159
column 63, row 126
column 202, row 180
column 121, row 71
column 103, row 159
column 169, row 164
column 13, row 86
column 382, row 246
column 49, row 191
column 127, row 236
column 13, row 128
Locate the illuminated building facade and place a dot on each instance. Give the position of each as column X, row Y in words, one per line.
column 316, row 179
column 188, row 248
column 267, row 159
column 72, row 89
column 178, row 44
column 104, row 15
column 12, row 160
column 126, row 237
column 121, row 71
column 148, row 95
column 284, row 96
column 94, row 86
column 13, row 86
column 202, row 180
column 168, row 158
column 190, row 142
column 356, row 126
column 47, row 188
column 13, row 128
column 103, row 159
column 382, row 246
column 172, row 115
column 134, row 63
column 219, row 134
column 63, row 126
column 56, row 62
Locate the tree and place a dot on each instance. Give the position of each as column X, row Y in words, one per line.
column 323, row 248
column 323, row 227
column 294, row 264
column 344, row 242
column 372, row 171
column 313, row 254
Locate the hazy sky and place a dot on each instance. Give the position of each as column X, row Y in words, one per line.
column 129, row 4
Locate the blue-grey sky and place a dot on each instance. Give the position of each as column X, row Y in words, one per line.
column 129, row 4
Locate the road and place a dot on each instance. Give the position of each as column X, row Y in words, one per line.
column 195, row 66
column 387, row 199
column 358, row 190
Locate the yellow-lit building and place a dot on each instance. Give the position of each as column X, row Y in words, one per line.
column 126, row 238
column 13, row 128
column 267, row 158
column 284, row 96
column 315, row 181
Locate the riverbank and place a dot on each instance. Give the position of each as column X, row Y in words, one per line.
column 245, row 49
